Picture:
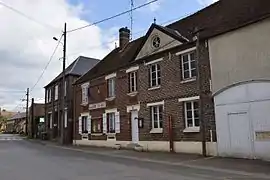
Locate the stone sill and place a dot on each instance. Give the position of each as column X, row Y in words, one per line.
column 188, row 80
column 96, row 134
column 156, row 131
column 154, row 88
column 192, row 130
column 132, row 93
column 110, row 98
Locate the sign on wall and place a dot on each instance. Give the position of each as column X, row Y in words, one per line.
column 97, row 105
column 263, row 136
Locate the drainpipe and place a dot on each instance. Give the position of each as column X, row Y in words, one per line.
column 171, row 134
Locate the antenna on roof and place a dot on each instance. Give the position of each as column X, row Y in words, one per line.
column 131, row 17
column 155, row 20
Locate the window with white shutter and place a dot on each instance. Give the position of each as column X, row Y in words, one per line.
column 66, row 119
column 117, row 122
column 56, row 92
column 80, row 125
column 104, row 123
column 89, row 123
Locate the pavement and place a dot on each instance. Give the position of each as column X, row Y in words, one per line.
column 31, row 160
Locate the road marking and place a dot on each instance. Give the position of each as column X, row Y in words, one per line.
column 242, row 173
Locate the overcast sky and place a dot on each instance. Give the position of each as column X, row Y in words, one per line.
column 26, row 43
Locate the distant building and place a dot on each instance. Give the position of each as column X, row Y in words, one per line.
column 16, row 123
column 36, row 119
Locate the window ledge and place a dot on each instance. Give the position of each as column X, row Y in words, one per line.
column 133, row 93
column 153, row 88
column 96, row 134
column 188, row 80
column 156, row 131
column 84, row 104
column 110, row 98
column 192, row 130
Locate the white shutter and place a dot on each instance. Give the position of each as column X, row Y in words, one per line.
column 80, row 125
column 117, row 122
column 105, row 123
column 51, row 122
column 89, row 124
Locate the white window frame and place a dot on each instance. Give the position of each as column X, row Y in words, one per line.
column 111, row 87
column 84, row 123
column 192, row 128
column 189, row 64
column 156, row 73
column 50, row 120
column 85, row 89
column 134, row 80
column 56, row 90
column 151, row 106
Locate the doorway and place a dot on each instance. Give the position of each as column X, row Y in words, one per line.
column 134, row 126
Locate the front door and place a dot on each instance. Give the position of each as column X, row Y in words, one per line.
column 134, row 126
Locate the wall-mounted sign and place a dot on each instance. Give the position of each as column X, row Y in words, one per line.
column 263, row 136
column 97, row 105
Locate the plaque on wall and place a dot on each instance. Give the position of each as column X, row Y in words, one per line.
column 263, row 136
column 97, row 106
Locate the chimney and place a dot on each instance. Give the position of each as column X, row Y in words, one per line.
column 124, row 36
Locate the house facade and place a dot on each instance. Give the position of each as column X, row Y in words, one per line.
column 241, row 72
column 53, row 111
column 16, row 123
column 147, row 94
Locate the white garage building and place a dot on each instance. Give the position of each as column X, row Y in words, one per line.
column 240, row 69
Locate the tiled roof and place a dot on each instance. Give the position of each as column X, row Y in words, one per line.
column 19, row 115
column 218, row 18
column 78, row 67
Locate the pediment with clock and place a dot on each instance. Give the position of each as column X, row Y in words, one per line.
column 158, row 39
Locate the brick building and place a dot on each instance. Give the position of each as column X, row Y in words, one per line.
column 146, row 93
column 36, row 118
column 53, row 96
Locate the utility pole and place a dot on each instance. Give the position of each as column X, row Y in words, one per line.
column 199, row 86
column 33, row 123
column 27, row 117
column 63, row 85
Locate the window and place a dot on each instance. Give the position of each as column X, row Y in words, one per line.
column 84, row 124
column 66, row 118
column 111, row 122
column 192, row 114
column 65, row 89
column 189, row 65
column 157, row 116
column 85, row 90
column 111, row 87
column 155, row 75
column 50, row 120
column 56, row 92
column 132, row 81
column 49, row 95
column 96, row 126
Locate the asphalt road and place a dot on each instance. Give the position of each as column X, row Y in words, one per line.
column 24, row 160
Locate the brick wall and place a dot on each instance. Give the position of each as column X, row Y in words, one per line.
column 170, row 91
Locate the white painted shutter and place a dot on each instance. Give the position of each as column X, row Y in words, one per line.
column 89, row 124
column 80, row 125
column 105, row 123
column 117, row 122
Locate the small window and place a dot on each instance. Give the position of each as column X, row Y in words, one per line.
column 133, row 82
column 111, row 122
column 189, row 65
column 96, row 126
column 157, row 116
column 154, row 75
column 56, row 92
column 85, row 91
column 192, row 114
column 111, row 87
column 84, row 124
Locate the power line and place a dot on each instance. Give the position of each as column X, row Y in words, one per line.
column 45, row 68
column 27, row 17
column 112, row 17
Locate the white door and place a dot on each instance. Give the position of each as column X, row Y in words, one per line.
column 240, row 135
column 134, row 126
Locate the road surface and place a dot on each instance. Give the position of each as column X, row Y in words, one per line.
column 24, row 160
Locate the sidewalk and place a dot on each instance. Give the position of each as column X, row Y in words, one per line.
column 231, row 165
